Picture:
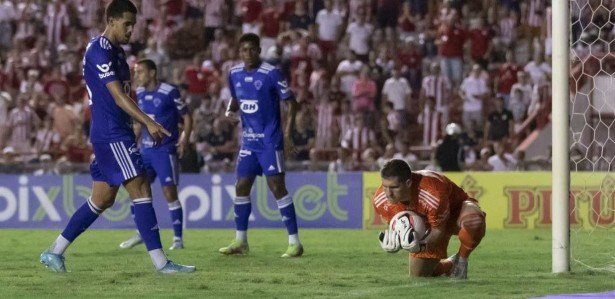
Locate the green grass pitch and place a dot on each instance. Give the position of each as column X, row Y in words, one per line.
column 337, row 263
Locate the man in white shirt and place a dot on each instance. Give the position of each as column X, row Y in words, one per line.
column 359, row 33
column 538, row 68
column 328, row 23
column 473, row 90
column 397, row 91
column 348, row 71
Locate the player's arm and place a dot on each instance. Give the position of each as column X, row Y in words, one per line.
column 125, row 103
column 184, row 137
column 290, row 120
column 136, row 128
column 438, row 219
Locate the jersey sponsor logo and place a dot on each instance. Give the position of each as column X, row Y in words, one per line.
column 249, row 106
column 104, row 67
column 258, row 84
column 249, row 134
column 133, row 149
column 283, row 83
column 148, row 97
column 248, row 79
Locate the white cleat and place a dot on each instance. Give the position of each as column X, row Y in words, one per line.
column 132, row 242
column 177, row 244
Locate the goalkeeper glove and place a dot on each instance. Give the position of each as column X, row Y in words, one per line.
column 389, row 241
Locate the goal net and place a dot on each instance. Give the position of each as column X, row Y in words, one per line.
column 592, row 134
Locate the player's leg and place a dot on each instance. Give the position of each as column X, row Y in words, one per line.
column 177, row 215
column 272, row 163
column 145, row 217
column 103, row 197
column 432, row 262
column 151, row 176
column 247, row 170
column 471, row 224
column 165, row 166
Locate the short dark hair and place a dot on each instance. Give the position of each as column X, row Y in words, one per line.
column 117, row 8
column 396, row 168
column 150, row 64
column 250, row 38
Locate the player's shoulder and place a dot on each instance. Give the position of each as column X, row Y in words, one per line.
column 166, row 88
column 99, row 44
column 236, row 68
column 266, row 68
column 429, row 179
column 140, row 90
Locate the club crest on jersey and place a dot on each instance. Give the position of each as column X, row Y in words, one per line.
column 258, row 84
column 249, row 106
column 157, row 102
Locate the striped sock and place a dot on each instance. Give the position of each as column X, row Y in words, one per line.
column 287, row 210
column 147, row 224
column 243, row 208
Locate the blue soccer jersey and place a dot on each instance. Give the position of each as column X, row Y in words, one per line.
column 103, row 63
column 166, row 107
column 258, row 93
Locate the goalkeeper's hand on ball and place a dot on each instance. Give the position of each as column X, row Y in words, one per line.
column 389, row 241
column 407, row 235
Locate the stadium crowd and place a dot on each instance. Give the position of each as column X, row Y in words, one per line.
column 446, row 85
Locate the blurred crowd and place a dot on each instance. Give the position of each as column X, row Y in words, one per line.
column 446, row 85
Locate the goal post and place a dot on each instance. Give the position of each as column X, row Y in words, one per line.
column 560, row 136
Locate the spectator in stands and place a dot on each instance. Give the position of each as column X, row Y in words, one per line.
column 480, row 39
column 215, row 12
column 303, row 138
column 431, row 119
column 63, row 116
column 451, row 39
column 348, row 72
column 329, row 26
column 364, row 94
column 10, row 161
column 405, row 22
column 75, row 147
column 48, row 140
column 439, row 87
column 393, row 120
column 219, row 145
column 389, row 152
column 482, row 163
column 501, row 160
column 22, row 124
column 449, row 151
column 299, row 19
column 524, row 86
column 507, row 77
column 537, row 68
column 358, row 34
column 473, row 91
column 358, row 138
column 405, row 154
column 5, row 102
column 397, row 91
column 499, row 125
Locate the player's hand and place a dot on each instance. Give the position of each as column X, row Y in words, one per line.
column 157, row 131
column 389, row 241
column 181, row 146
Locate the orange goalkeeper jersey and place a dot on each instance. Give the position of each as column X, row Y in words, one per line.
column 432, row 195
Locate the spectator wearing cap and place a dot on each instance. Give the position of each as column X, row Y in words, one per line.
column 473, row 91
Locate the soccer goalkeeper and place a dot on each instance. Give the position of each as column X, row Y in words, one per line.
column 448, row 210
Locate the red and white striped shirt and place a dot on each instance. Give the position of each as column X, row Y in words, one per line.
column 22, row 124
column 432, row 125
column 438, row 87
column 324, row 123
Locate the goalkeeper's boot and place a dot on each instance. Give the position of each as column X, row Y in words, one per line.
column 293, row 250
column 236, row 247
column 177, row 244
column 460, row 269
column 453, row 259
column 55, row 262
column 132, row 242
column 172, row 268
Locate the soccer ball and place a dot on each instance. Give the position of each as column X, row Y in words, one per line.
column 409, row 226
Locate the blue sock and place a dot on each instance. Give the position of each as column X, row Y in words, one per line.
column 177, row 218
column 132, row 211
column 81, row 220
column 145, row 217
column 287, row 210
column 243, row 208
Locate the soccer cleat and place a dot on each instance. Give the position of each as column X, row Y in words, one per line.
column 177, row 244
column 55, row 262
column 295, row 250
column 132, row 242
column 460, row 269
column 236, row 247
column 172, row 268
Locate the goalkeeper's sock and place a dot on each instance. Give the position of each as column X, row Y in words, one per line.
column 471, row 233
column 243, row 208
column 287, row 210
column 177, row 218
column 78, row 223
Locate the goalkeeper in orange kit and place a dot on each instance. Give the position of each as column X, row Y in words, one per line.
column 447, row 209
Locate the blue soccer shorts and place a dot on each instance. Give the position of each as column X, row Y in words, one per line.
column 268, row 162
column 162, row 164
column 116, row 162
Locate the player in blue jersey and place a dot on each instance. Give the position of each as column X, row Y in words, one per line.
column 163, row 103
column 117, row 160
column 257, row 88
